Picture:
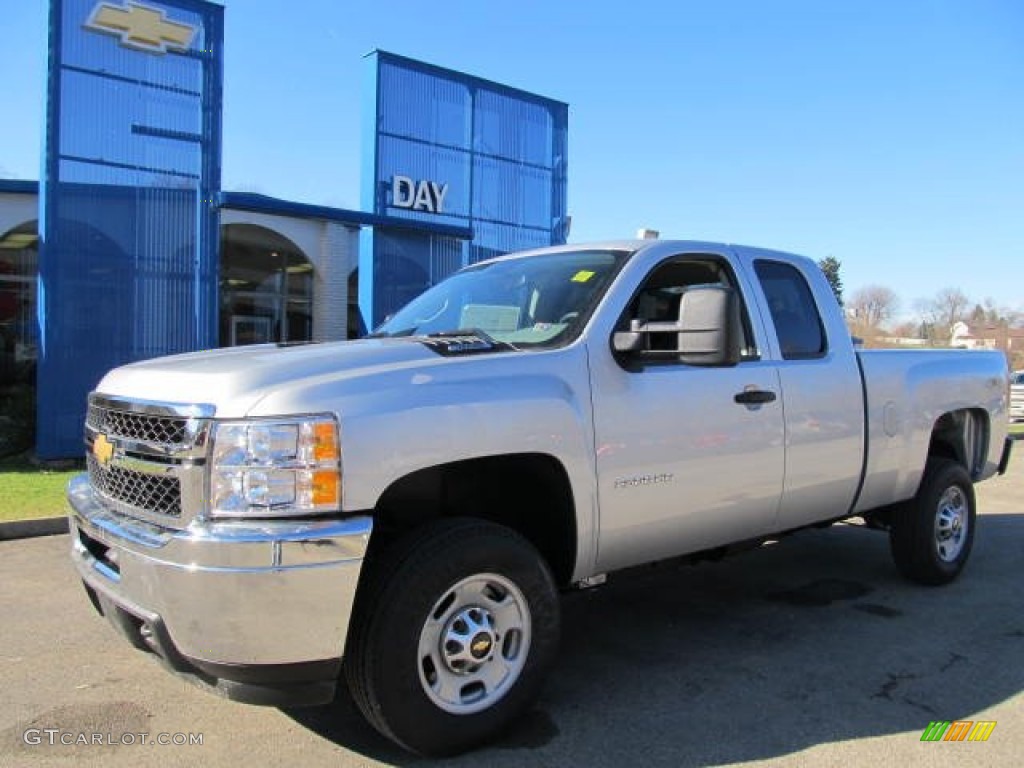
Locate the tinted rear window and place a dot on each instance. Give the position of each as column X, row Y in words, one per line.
column 794, row 313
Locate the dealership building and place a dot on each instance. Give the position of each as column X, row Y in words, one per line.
column 127, row 248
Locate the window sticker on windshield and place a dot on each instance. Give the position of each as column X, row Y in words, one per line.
column 582, row 276
column 490, row 318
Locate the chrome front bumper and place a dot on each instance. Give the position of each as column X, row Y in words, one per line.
column 250, row 607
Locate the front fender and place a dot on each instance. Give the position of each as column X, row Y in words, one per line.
column 397, row 421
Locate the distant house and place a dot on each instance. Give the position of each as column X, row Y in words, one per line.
column 965, row 336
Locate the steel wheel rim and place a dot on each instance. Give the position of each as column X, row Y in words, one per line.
column 951, row 523
column 474, row 644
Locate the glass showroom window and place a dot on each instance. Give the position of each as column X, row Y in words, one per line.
column 19, row 260
column 266, row 288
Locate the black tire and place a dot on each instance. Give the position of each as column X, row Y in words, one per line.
column 932, row 534
column 399, row 687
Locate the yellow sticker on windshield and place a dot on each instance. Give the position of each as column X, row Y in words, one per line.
column 582, row 276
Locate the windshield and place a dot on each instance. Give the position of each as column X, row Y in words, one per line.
column 539, row 300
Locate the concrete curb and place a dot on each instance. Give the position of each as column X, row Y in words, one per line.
column 27, row 529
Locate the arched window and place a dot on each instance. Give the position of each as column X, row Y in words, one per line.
column 266, row 287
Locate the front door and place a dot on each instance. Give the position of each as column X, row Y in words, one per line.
column 682, row 465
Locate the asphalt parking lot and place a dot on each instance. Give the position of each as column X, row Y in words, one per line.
column 809, row 651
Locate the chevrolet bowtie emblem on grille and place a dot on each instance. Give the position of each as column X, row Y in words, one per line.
column 102, row 449
column 141, row 27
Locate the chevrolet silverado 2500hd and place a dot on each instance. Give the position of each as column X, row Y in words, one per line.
column 401, row 511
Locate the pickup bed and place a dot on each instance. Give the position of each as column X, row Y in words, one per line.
column 401, row 511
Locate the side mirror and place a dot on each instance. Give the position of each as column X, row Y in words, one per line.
column 709, row 326
column 707, row 331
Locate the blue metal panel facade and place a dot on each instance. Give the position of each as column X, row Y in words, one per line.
column 128, row 224
column 499, row 153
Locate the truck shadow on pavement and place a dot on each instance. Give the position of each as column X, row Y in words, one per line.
column 810, row 641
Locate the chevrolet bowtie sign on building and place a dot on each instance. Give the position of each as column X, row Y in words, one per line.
column 128, row 258
column 142, row 27
column 141, row 254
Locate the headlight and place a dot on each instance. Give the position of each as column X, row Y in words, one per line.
column 275, row 468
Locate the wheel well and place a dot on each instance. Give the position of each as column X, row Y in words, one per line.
column 963, row 437
column 528, row 492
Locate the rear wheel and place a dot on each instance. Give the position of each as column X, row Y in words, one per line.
column 455, row 629
column 932, row 534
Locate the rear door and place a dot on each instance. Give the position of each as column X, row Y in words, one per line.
column 821, row 389
column 682, row 466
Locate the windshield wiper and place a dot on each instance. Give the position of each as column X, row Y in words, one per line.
column 384, row 335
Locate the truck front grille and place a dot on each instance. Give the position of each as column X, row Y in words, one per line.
column 164, row 431
column 148, row 459
column 141, row 492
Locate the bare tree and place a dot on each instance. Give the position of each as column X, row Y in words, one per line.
column 940, row 313
column 951, row 306
column 907, row 330
column 996, row 316
column 873, row 305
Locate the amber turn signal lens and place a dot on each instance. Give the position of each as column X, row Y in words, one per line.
column 326, row 487
column 325, row 441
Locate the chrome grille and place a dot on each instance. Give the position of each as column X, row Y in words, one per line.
column 147, row 459
column 164, row 431
column 156, row 494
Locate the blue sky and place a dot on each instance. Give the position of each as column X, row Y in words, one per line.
column 889, row 135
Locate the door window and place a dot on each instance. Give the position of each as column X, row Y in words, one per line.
column 795, row 315
column 659, row 298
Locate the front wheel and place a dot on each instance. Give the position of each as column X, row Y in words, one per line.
column 456, row 627
column 932, row 534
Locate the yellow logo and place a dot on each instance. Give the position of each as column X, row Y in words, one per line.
column 141, row 27
column 480, row 647
column 102, row 449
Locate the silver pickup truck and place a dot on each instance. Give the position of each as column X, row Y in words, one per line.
column 401, row 511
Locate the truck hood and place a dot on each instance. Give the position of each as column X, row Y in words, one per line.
column 236, row 378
